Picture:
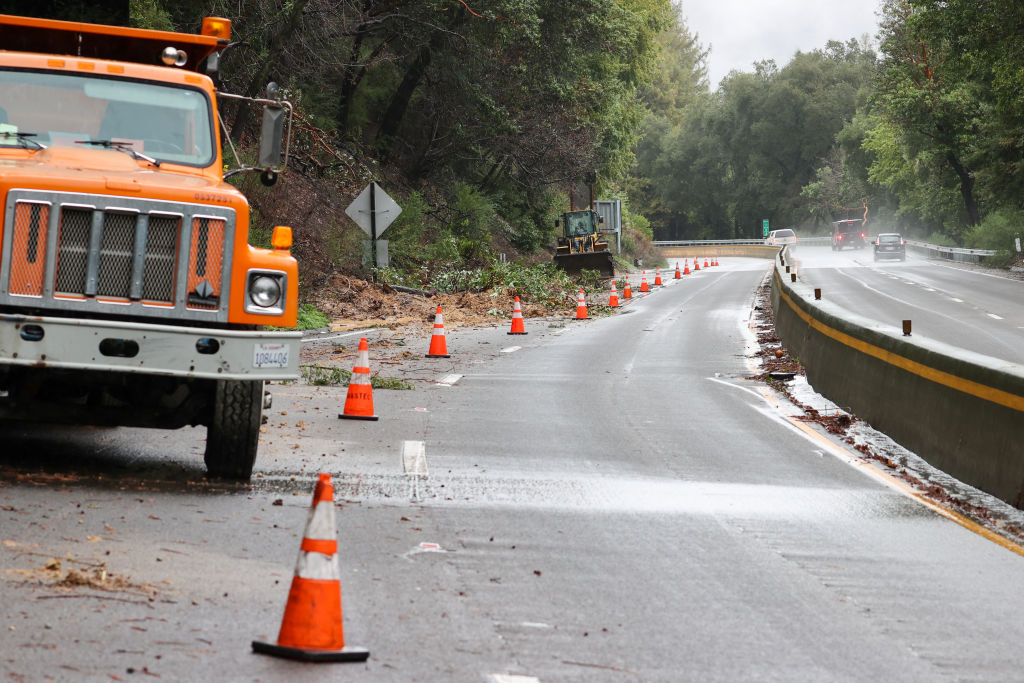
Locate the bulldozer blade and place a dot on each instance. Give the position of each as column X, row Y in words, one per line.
column 599, row 260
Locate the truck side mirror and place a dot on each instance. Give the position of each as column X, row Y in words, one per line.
column 271, row 134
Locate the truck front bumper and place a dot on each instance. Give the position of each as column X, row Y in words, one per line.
column 144, row 348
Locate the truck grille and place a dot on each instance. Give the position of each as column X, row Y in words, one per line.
column 71, row 250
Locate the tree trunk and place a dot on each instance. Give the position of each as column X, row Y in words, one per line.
column 966, row 189
column 400, row 101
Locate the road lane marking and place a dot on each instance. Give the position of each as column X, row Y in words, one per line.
column 414, row 457
column 449, row 380
column 512, row 678
column 336, row 336
column 511, row 349
column 994, row 316
column 955, row 300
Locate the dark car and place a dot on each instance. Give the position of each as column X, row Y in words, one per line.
column 890, row 245
column 848, row 233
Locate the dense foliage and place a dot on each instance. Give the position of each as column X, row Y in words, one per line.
column 486, row 114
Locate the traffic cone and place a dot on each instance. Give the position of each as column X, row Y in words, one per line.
column 686, row 266
column 438, row 345
column 311, row 629
column 643, row 283
column 613, row 300
column 581, row 306
column 715, row 261
column 627, row 292
column 517, row 319
column 359, row 401
column 705, row 261
column 678, row 274
column 696, row 264
column 657, row 277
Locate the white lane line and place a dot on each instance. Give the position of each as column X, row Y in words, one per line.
column 511, row 349
column 450, row 380
column 955, row 300
column 414, row 457
column 336, row 336
column 512, row 678
column 995, row 317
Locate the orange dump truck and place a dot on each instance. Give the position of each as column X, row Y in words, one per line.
column 129, row 292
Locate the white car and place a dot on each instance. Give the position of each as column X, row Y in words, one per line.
column 778, row 238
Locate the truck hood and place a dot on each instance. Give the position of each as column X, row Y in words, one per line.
column 106, row 171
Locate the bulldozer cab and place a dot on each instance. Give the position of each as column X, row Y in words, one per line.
column 579, row 223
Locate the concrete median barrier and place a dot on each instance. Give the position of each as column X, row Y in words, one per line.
column 961, row 411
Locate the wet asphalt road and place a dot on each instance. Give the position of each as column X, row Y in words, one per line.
column 613, row 500
column 972, row 308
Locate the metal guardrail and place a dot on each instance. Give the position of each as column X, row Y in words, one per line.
column 949, row 253
column 926, row 249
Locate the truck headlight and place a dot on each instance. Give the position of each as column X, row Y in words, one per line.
column 265, row 292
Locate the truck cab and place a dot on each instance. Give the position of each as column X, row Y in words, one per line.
column 129, row 294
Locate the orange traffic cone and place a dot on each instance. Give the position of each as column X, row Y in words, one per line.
column 613, row 300
column 359, row 401
column 686, row 266
column 581, row 306
column 311, row 629
column 657, row 277
column 643, row 283
column 678, row 274
column 714, row 261
column 517, row 319
column 705, row 261
column 627, row 292
column 438, row 345
column 696, row 264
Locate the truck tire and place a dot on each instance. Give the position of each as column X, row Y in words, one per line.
column 233, row 434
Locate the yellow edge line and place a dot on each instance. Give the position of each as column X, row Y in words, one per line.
column 907, row 490
column 1003, row 398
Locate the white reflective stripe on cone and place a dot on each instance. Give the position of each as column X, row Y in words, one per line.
column 321, row 522
column 318, row 566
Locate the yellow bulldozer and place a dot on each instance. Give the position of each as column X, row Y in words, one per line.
column 582, row 245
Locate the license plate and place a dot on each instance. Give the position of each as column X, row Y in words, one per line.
column 270, row 356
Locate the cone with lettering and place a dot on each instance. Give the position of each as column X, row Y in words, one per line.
column 613, row 299
column 627, row 291
column 311, row 629
column 643, row 282
column 438, row 345
column 581, row 306
column 359, row 401
column 678, row 275
column 517, row 319
column 657, row 277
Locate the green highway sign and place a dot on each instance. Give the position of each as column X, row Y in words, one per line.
column 764, row 227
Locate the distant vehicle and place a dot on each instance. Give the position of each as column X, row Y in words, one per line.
column 778, row 238
column 890, row 245
column 848, row 233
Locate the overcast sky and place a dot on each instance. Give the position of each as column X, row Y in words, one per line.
column 741, row 32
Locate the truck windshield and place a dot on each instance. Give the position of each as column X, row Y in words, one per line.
column 168, row 123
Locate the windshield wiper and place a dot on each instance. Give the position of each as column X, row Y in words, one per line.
column 125, row 147
column 23, row 138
